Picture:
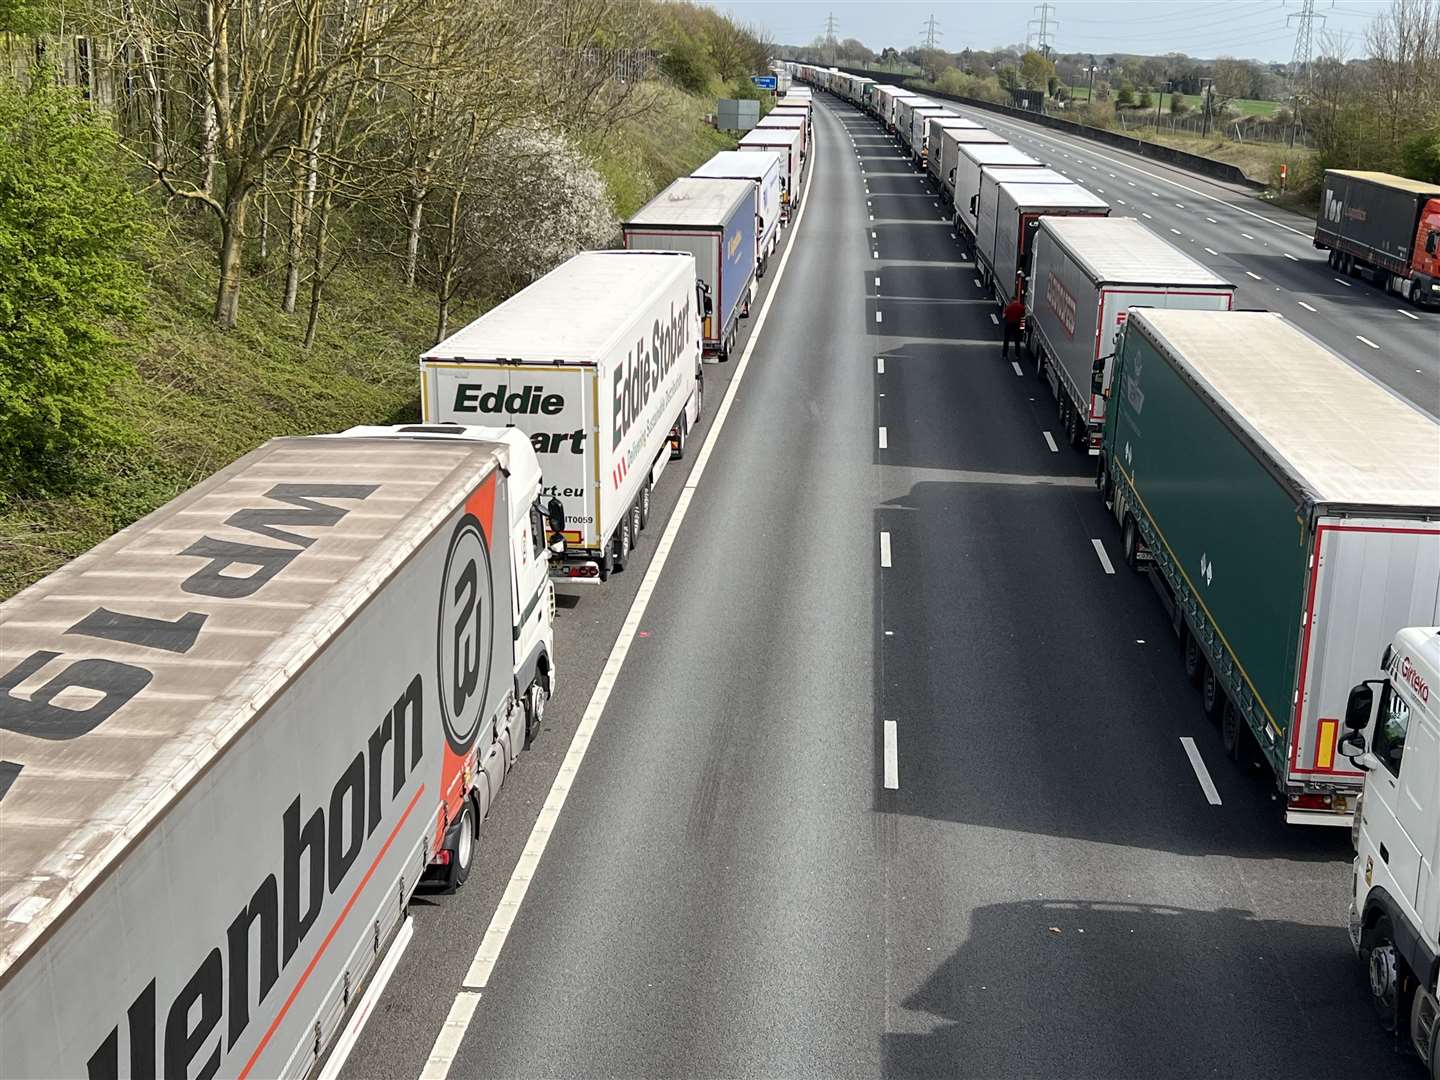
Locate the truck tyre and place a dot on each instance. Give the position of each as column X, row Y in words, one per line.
column 636, row 522
column 621, row 545
column 463, row 854
column 1382, row 964
column 1194, row 659
column 678, row 454
column 1212, row 694
column 1232, row 729
column 646, row 494
column 1414, row 293
column 535, row 700
column 606, row 563
column 1130, row 543
column 700, row 398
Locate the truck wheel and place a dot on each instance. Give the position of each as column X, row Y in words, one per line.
column 1212, row 696
column 645, row 496
column 534, row 711
column 1130, row 543
column 1331, row 258
column 700, row 398
column 1414, row 293
column 1194, row 658
column 636, row 523
column 621, row 545
column 605, row 564
column 678, row 454
column 1232, row 729
column 463, row 853
column 1382, row 963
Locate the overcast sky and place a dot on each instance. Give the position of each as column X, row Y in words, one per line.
column 1256, row 29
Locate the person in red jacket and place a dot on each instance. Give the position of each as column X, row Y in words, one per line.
column 1013, row 318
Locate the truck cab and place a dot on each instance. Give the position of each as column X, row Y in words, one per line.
column 1393, row 733
column 1426, row 260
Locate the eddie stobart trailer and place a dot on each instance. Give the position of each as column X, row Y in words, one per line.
column 1087, row 274
column 1010, row 208
column 970, row 158
column 1291, row 508
column 598, row 363
column 239, row 732
column 785, row 142
column 764, row 171
column 714, row 220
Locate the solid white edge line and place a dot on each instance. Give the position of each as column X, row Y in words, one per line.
column 452, row 1034
column 356, row 1024
column 1016, row 365
column 447, row 1043
column 1212, row 796
column 884, row 438
column 1104, row 558
column 891, row 756
column 885, row 550
column 1050, row 442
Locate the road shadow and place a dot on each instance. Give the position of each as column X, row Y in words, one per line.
column 1042, row 990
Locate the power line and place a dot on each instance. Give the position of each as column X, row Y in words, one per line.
column 932, row 33
column 1048, row 25
column 831, row 25
column 1304, row 20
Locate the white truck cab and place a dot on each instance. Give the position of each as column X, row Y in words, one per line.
column 1394, row 918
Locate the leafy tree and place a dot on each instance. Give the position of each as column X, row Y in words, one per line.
column 1035, row 70
column 1146, row 99
column 1420, row 155
column 1178, row 105
column 852, row 49
column 686, row 64
column 67, row 219
column 1009, row 78
column 1126, row 96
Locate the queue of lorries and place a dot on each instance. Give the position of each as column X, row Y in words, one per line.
column 1285, row 505
column 236, row 736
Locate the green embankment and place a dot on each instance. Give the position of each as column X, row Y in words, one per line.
column 199, row 397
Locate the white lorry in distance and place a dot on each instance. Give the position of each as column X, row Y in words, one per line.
column 238, row 733
column 764, row 169
column 599, row 364
column 1394, row 916
column 1087, row 273
column 786, row 142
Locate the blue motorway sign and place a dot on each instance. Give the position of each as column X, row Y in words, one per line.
column 764, row 82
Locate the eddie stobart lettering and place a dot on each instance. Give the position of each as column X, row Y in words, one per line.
column 529, row 400
column 646, row 368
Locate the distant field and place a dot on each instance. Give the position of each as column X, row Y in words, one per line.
column 1245, row 106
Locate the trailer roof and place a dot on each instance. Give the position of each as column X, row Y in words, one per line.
column 996, row 154
column 737, row 164
column 771, row 136
column 975, row 136
column 694, row 201
column 1050, row 196
column 1341, row 437
column 780, row 120
column 77, row 805
column 1120, row 250
column 1022, row 174
column 1400, row 183
column 577, row 312
column 955, row 122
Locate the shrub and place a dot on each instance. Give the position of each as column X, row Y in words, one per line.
column 68, row 219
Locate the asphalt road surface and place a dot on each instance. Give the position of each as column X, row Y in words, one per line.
column 892, row 780
column 1266, row 251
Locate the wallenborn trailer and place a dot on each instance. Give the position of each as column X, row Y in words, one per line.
column 598, row 363
column 1010, row 212
column 1291, row 506
column 239, row 732
column 1087, row 274
column 764, row 170
column 714, row 220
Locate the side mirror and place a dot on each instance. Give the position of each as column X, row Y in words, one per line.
column 555, row 516
column 1357, row 708
column 1352, row 748
column 1097, row 374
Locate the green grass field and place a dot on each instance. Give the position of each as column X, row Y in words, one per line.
column 1245, row 106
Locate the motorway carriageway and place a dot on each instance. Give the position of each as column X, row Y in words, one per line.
column 1266, row 251
column 890, row 770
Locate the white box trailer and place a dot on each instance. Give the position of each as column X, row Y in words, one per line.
column 764, row 170
column 951, row 139
column 788, row 121
column 934, row 127
column 887, row 98
column 598, row 363
column 913, row 134
column 1087, row 273
column 240, row 731
column 785, row 142
column 970, row 158
column 1009, row 214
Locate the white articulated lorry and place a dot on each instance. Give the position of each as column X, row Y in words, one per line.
column 1087, row 274
column 788, row 121
column 1010, row 208
column 764, row 169
column 935, row 126
column 238, row 733
column 970, row 158
column 1394, row 917
column 786, row 142
column 598, row 363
